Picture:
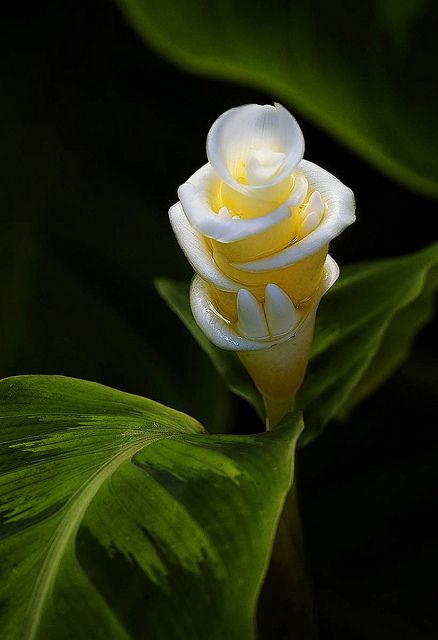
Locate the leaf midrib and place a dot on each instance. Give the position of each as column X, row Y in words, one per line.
column 67, row 528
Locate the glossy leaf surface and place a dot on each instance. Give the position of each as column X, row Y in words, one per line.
column 121, row 518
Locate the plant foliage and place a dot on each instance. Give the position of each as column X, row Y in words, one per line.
column 365, row 327
column 121, row 518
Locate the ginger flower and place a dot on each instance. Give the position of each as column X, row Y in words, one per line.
column 255, row 223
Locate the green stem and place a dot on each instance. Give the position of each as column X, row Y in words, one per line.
column 286, row 606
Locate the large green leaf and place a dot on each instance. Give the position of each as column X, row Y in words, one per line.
column 362, row 71
column 123, row 519
column 365, row 327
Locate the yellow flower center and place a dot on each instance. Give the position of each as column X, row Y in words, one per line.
column 300, row 280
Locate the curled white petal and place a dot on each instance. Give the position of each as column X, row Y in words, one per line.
column 312, row 213
column 299, row 191
column 280, row 312
column 195, row 197
column 251, row 317
column 339, row 201
column 221, row 333
column 224, row 214
column 240, row 134
column 262, row 165
column 197, row 252
column 215, row 327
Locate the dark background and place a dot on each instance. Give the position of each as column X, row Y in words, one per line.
column 97, row 133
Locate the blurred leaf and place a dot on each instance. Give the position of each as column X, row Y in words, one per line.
column 365, row 328
column 122, row 518
column 176, row 294
column 363, row 72
column 398, row 342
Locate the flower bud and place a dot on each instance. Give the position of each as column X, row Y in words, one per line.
column 255, row 223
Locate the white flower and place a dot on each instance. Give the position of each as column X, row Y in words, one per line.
column 255, row 223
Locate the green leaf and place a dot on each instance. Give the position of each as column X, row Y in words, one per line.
column 398, row 342
column 363, row 73
column 365, row 328
column 176, row 294
column 123, row 519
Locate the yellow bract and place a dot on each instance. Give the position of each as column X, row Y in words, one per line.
column 263, row 201
column 299, row 280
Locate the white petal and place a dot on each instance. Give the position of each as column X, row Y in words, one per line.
column 223, row 213
column 280, row 312
column 197, row 252
column 340, row 213
column 251, row 318
column 262, row 165
column 312, row 214
column 217, row 330
column 238, row 132
column 195, row 199
column 299, row 191
column 331, row 274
